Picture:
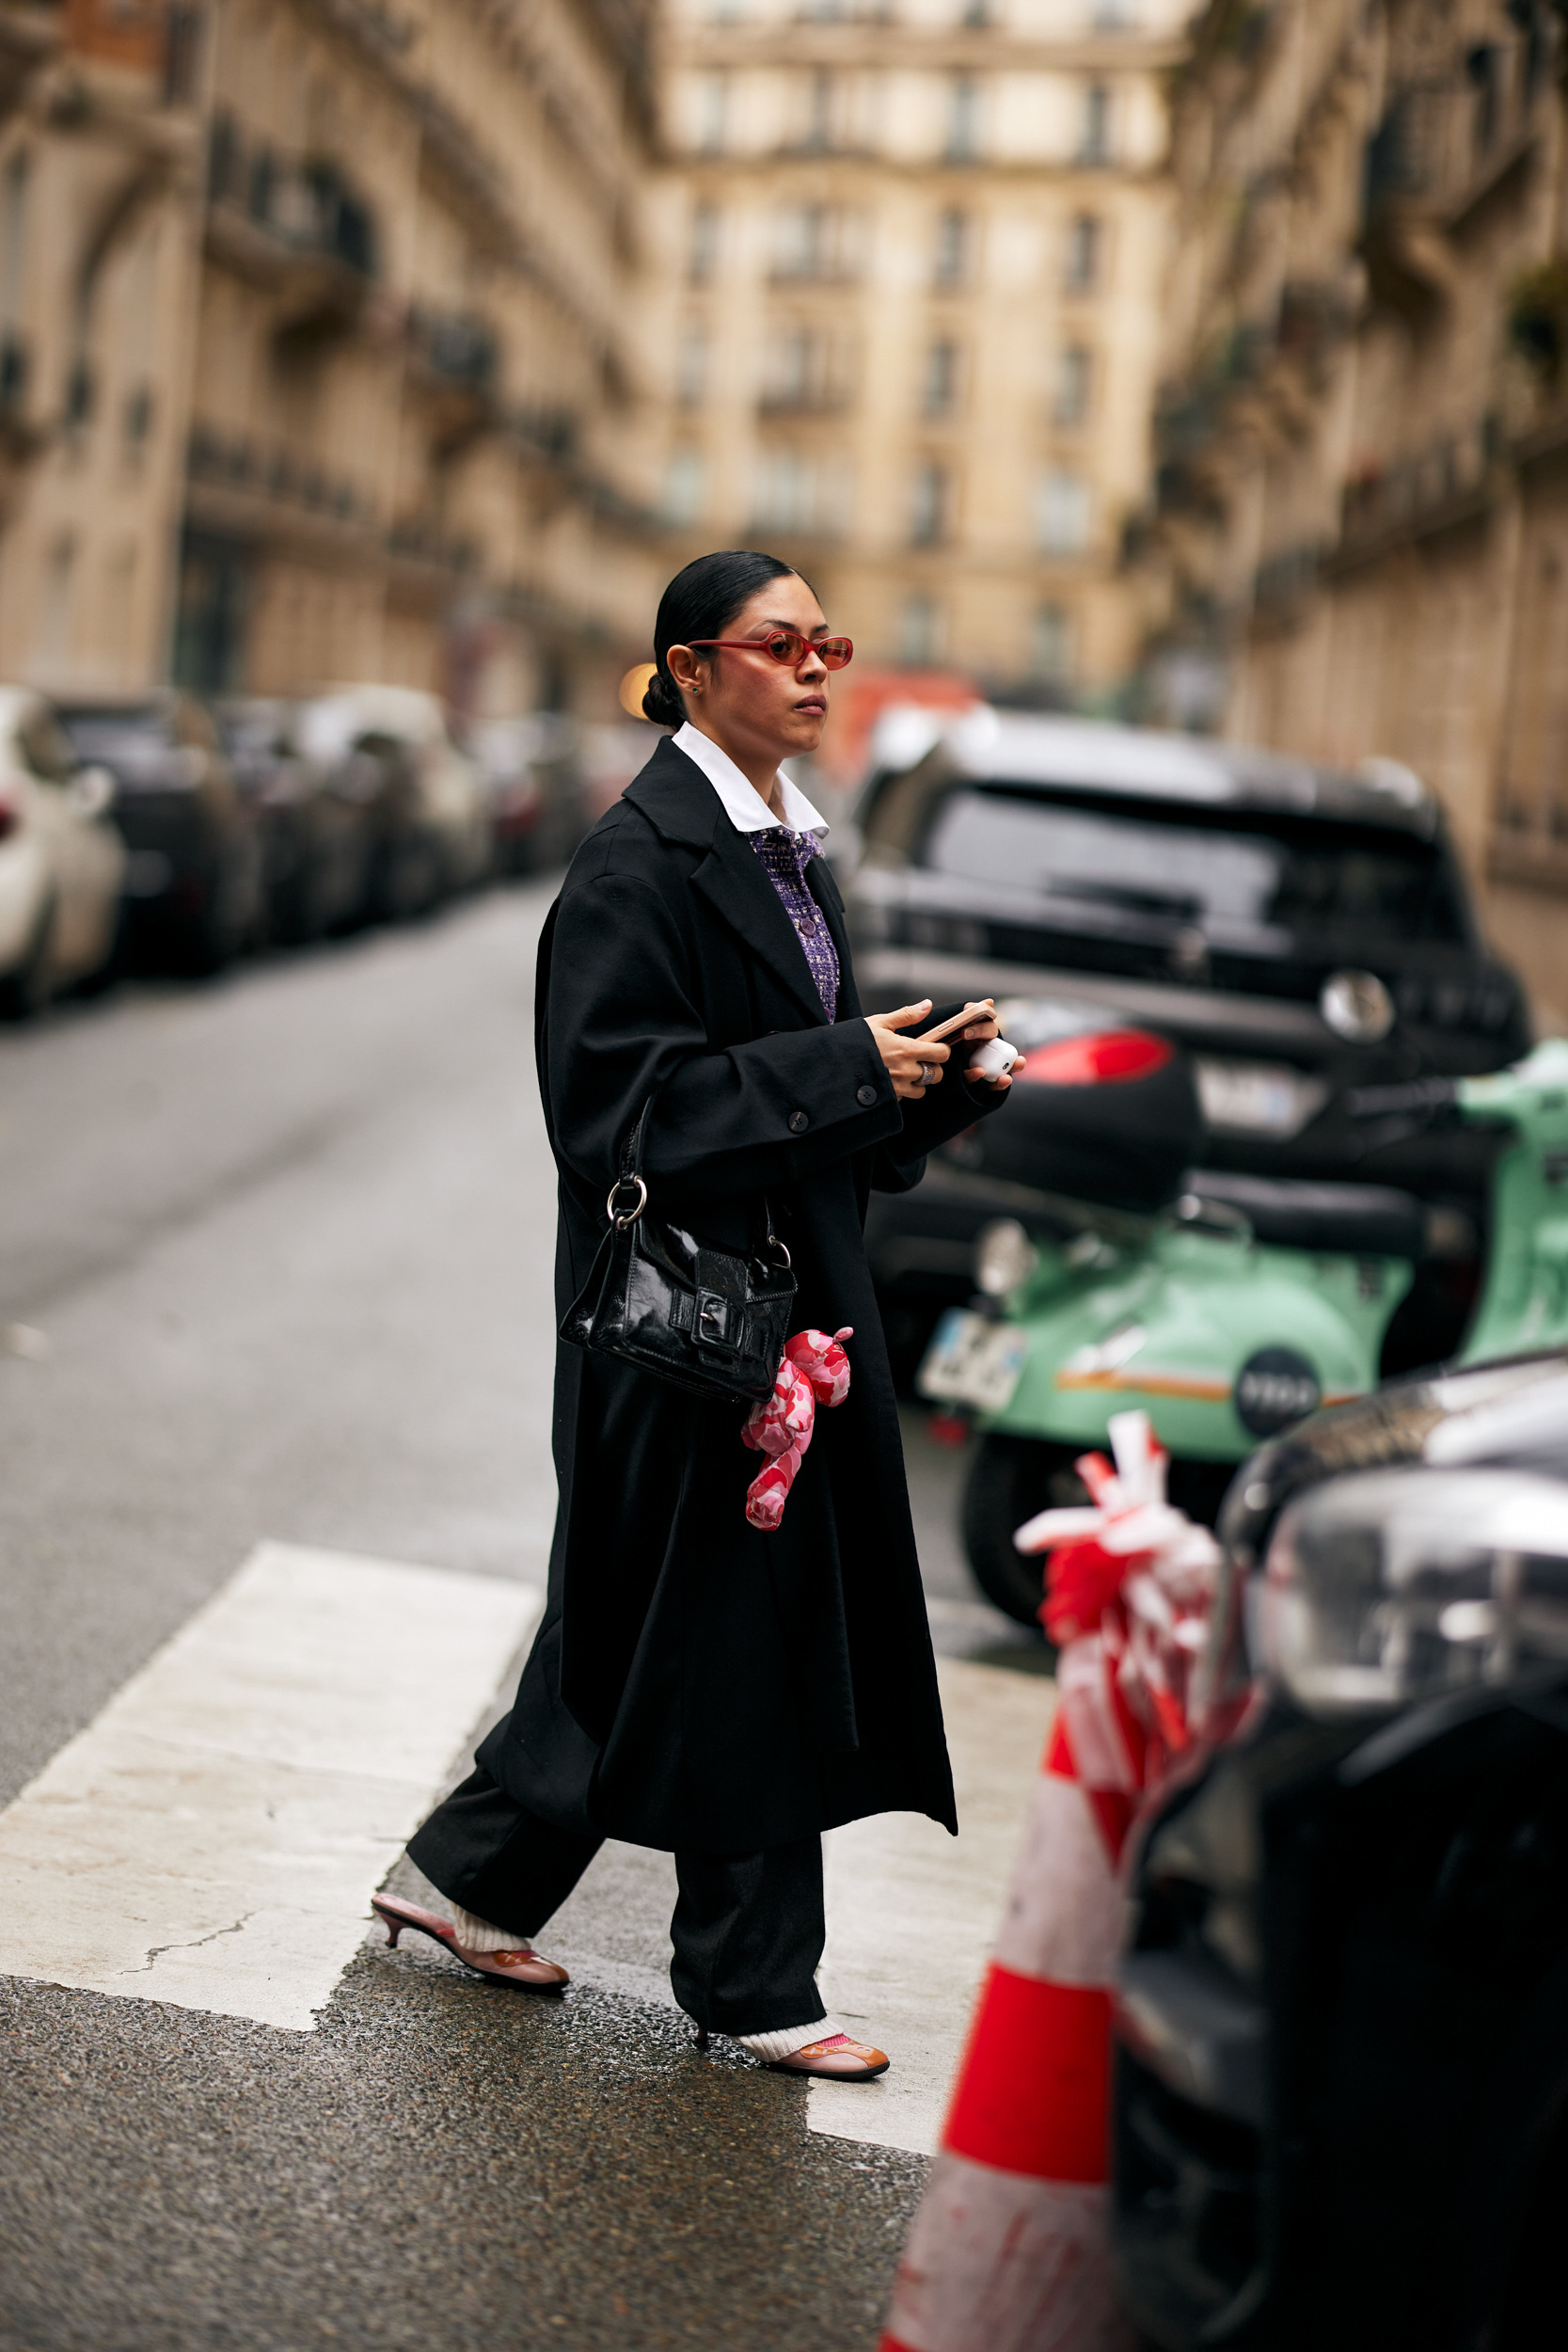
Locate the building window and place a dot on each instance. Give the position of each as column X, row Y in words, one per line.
column 941, row 394
column 705, row 243
column 1051, row 651
column 1484, row 66
column 807, row 370
column 685, row 485
column 12, row 237
column 928, row 505
column 792, row 493
column 713, row 107
column 1074, row 384
column 815, row 241
column 953, row 249
column 56, row 613
column 14, row 191
column 1064, row 513
column 212, row 614
column 820, row 110
column 920, row 630
column 691, row 366
column 1084, row 253
column 963, row 121
column 1095, row 145
column 137, row 417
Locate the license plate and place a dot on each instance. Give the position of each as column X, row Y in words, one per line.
column 1259, row 1097
column 972, row 1360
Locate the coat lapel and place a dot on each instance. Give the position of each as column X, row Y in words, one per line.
column 678, row 801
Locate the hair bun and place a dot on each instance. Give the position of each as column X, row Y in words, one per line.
column 661, row 701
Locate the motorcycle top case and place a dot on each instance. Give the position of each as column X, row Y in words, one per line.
column 1113, row 1118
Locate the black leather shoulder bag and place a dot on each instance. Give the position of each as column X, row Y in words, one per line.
column 713, row 1323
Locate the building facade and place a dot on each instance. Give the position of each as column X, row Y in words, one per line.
column 1362, row 510
column 914, row 261
column 346, row 384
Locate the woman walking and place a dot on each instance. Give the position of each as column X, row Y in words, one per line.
column 697, row 1684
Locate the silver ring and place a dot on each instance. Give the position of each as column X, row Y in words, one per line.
column 622, row 1222
column 928, row 1073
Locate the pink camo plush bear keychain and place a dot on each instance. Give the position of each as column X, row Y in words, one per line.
column 812, row 1371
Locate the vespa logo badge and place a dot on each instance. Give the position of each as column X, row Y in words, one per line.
column 1275, row 1387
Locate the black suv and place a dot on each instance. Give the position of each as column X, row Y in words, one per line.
column 1306, row 933
column 1340, row 2102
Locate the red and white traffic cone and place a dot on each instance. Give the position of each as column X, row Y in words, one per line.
column 1008, row 2252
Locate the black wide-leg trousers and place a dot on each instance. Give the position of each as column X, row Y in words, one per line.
column 748, row 1927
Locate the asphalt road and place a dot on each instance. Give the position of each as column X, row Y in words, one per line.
column 274, row 1262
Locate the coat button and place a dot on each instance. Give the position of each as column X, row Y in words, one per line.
column 798, row 1122
column 865, row 1096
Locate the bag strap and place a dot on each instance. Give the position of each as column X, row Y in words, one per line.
column 632, row 1179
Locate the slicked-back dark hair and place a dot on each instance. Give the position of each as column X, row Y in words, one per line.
column 701, row 602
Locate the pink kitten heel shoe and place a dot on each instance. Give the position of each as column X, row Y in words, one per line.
column 837, row 2058
column 520, row 1966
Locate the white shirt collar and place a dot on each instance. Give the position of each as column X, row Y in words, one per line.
column 744, row 805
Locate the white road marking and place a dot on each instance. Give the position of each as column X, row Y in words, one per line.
column 213, row 1837
column 912, row 1913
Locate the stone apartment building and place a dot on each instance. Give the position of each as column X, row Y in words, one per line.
column 1362, row 503
column 316, row 348
column 915, row 259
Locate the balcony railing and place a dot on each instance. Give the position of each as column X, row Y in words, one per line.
column 1423, row 489
column 303, row 208
column 235, row 461
column 457, row 347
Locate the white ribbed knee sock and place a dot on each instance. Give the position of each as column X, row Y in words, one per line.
column 478, row 1935
column 785, row 2043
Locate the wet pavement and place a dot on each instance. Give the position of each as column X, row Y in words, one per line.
column 285, row 1248
column 440, row 2164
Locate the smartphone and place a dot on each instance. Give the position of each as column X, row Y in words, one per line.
column 958, row 1021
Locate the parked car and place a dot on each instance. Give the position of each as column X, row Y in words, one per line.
column 61, row 862
column 316, row 839
column 1341, row 2104
column 389, row 748
column 1306, row 933
column 193, row 878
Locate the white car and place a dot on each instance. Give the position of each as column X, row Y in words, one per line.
column 450, row 809
column 62, row 862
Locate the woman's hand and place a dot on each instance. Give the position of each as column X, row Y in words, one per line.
column 979, row 1033
column 913, row 1065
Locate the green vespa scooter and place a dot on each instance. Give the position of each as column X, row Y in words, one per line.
column 1232, row 1311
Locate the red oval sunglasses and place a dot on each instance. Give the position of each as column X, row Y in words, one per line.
column 784, row 645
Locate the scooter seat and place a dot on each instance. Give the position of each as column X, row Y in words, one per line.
column 1351, row 1220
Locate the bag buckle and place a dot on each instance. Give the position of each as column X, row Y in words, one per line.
column 620, row 1220
column 713, row 1318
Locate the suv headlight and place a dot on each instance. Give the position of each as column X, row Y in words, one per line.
column 1390, row 1587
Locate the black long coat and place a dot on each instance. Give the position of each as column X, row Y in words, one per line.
column 695, row 1683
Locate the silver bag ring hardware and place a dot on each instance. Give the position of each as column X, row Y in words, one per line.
column 630, row 1218
column 783, row 1248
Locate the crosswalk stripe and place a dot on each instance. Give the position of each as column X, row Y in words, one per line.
column 212, row 1837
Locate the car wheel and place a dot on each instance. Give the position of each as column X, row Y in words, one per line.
column 209, row 946
column 25, row 990
column 1009, row 1480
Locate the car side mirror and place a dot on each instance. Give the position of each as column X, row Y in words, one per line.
column 93, row 791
